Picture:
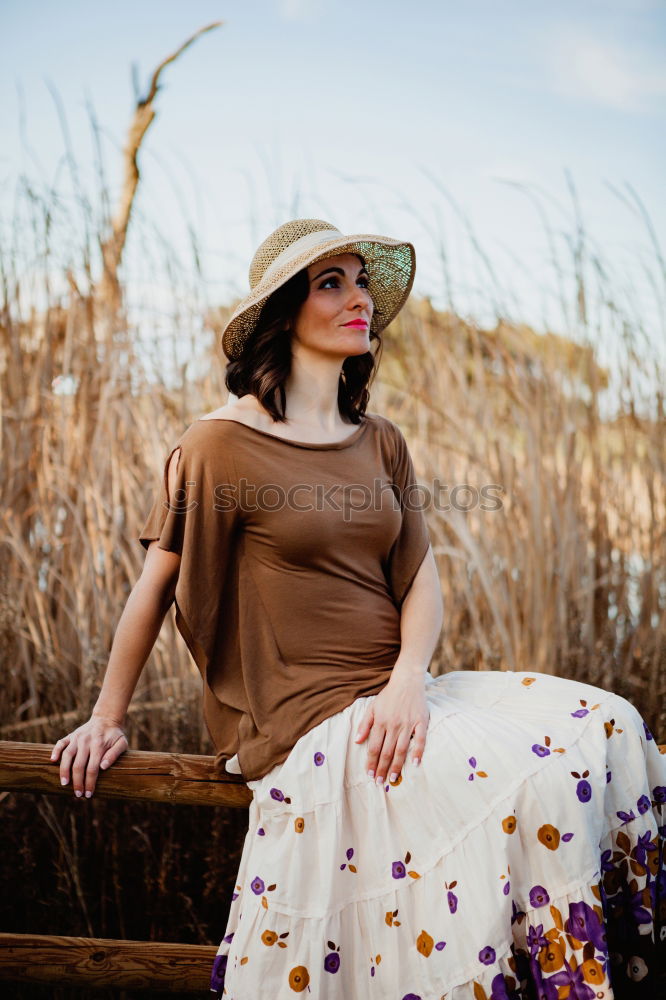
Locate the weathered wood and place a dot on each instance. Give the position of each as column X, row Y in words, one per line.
column 180, row 778
column 106, row 962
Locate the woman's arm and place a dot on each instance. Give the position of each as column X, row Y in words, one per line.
column 400, row 708
column 101, row 740
column 421, row 620
column 136, row 632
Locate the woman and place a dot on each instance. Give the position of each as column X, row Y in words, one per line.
column 522, row 858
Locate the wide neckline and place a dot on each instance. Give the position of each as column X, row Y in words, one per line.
column 319, row 446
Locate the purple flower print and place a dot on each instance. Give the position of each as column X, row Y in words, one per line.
column 643, row 804
column 472, row 761
column 500, row 990
column 452, row 901
column 581, row 713
column 536, row 939
column 566, row 837
column 573, row 978
column 398, row 869
column 642, row 847
column 261, row 832
column 540, row 751
column 516, row 914
column 584, row 790
column 411, row 996
column 277, row 795
column 507, row 888
column 218, row 973
column 648, row 734
column 608, row 776
column 659, row 792
column 585, row 925
column 538, row 896
column 257, row 885
column 606, row 863
column 319, row 758
column 440, row 945
column 626, row 817
column 229, row 937
column 487, row 955
column 234, row 895
column 332, row 962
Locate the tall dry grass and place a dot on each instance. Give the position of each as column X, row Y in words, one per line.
column 567, row 575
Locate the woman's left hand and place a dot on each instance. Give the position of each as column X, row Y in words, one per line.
column 399, row 710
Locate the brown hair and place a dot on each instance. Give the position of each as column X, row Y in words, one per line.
column 265, row 363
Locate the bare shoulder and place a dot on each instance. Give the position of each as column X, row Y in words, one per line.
column 231, row 411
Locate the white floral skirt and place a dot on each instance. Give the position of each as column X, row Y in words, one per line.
column 522, row 860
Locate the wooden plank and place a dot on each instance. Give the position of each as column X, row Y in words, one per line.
column 179, row 778
column 106, row 962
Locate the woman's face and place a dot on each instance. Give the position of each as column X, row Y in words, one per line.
column 338, row 295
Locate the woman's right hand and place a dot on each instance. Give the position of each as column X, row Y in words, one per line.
column 98, row 742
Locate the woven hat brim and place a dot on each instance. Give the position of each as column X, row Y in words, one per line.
column 391, row 267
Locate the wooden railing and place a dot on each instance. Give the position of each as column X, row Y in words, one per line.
column 183, row 779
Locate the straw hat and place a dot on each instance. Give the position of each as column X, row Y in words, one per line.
column 293, row 246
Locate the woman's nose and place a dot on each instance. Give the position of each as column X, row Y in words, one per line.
column 361, row 296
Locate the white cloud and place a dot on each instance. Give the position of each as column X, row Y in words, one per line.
column 299, row 10
column 605, row 73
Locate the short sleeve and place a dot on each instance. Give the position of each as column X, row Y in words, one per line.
column 411, row 545
column 202, row 514
column 201, row 521
column 168, row 515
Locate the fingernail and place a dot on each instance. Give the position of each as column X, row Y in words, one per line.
column 78, row 793
column 380, row 780
column 88, row 794
column 417, row 762
column 104, row 765
column 63, row 781
column 394, row 777
column 371, row 773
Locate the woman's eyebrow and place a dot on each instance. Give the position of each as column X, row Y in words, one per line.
column 339, row 271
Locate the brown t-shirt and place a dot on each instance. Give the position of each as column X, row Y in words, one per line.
column 295, row 560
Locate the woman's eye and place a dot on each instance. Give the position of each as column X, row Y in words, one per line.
column 366, row 282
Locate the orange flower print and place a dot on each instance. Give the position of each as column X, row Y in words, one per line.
column 509, row 824
column 549, row 836
column 374, row 962
column 390, row 918
column 299, row 978
column 299, row 824
column 528, row 680
column 270, row 938
column 425, row 943
column 551, row 956
column 611, row 728
column 593, row 972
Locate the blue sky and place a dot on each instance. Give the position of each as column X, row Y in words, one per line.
column 419, row 120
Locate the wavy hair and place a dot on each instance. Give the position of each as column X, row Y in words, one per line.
column 265, row 362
